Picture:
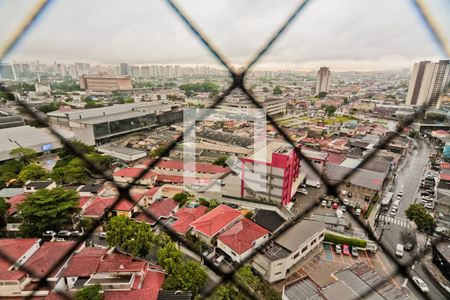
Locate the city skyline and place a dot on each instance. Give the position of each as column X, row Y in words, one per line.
column 154, row 35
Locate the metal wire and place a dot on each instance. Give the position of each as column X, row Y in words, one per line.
column 237, row 83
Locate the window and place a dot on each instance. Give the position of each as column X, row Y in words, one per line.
column 313, row 242
column 321, row 236
column 304, row 249
column 233, row 253
column 278, row 273
column 296, row 255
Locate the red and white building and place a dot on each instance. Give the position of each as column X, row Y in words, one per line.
column 275, row 170
column 127, row 175
column 215, row 222
column 240, row 239
column 185, row 216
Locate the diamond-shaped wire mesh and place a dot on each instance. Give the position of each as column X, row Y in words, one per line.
column 237, row 83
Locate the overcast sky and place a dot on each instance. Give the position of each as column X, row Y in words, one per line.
column 342, row 34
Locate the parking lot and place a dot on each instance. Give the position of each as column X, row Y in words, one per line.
column 327, row 261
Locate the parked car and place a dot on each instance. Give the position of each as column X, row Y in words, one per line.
column 64, row 233
column 49, row 233
column 400, row 193
column 393, row 212
column 367, row 198
column 358, row 211
column 303, row 191
column 324, row 203
column 345, row 249
column 349, row 194
column 429, row 205
column 102, row 235
column 335, row 205
column 329, row 203
column 344, row 208
column 344, row 192
column 221, row 182
column 338, row 249
column 399, row 250
column 355, row 252
column 219, row 260
column 409, row 246
column 76, row 233
column 59, row 239
column 421, row 284
column 345, row 201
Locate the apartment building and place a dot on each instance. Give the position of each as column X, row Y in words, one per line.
column 271, row 173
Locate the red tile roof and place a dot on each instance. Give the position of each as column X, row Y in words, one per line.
column 82, row 201
column 46, row 258
column 335, row 159
column 133, row 172
column 160, row 209
column 98, row 206
column 125, row 204
column 84, row 263
column 115, row 263
column 185, row 216
column 241, row 236
column 181, row 179
column 151, row 192
column 15, row 201
column 445, row 177
column 199, row 167
column 14, row 249
column 215, row 220
column 149, row 290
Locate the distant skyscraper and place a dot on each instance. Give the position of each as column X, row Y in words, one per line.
column 7, row 71
column 135, row 71
column 428, row 83
column 323, row 80
column 124, row 69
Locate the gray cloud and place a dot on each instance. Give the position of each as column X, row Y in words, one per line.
column 345, row 34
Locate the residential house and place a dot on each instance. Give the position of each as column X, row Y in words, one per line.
column 33, row 186
column 161, row 208
column 185, row 216
column 241, row 239
column 12, row 280
column 127, row 175
column 215, row 222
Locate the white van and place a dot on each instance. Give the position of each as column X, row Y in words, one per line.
column 399, row 250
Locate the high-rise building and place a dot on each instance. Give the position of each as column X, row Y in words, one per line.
column 124, row 69
column 323, row 80
column 135, row 71
column 7, row 71
column 428, row 83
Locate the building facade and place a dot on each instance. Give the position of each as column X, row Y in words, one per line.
column 323, row 80
column 102, row 84
column 428, row 83
column 274, row 170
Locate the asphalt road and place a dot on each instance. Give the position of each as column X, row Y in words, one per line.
column 399, row 230
column 410, row 176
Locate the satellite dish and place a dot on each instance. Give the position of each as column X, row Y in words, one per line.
column 339, row 213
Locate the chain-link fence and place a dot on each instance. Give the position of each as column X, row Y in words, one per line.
column 237, row 83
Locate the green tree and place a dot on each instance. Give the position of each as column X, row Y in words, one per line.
column 32, row 172
column 322, row 95
column 187, row 275
column 9, row 170
column 420, row 216
column 213, row 203
column 158, row 151
column 221, row 161
column 246, row 277
column 49, row 107
column 413, row 133
column 330, row 110
column 227, row 291
column 169, row 256
column 48, row 210
column 181, row 197
column 4, row 206
column 75, row 172
column 24, row 155
column 66, row 153
column 93, row 292
column 277, row 90
column 434, row 116
column 133, row 237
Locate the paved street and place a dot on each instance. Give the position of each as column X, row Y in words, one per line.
column 399, row 229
